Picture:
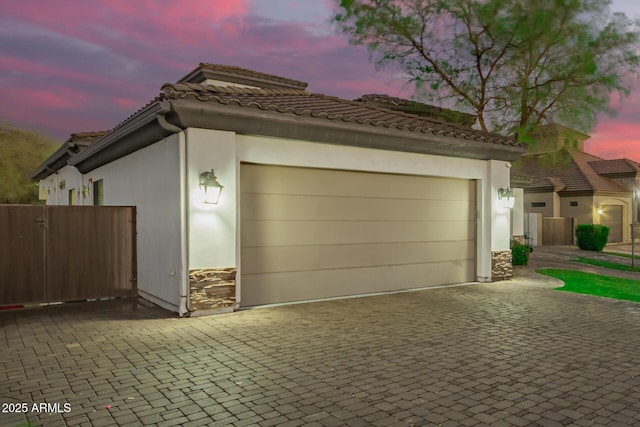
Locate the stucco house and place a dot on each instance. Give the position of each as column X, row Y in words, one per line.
column 61, row 185
column 314, row 196
column 567, row 182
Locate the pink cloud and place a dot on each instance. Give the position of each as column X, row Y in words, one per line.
column 612, row 139
column 55, row 98
column 125, row 102
column 618, row 136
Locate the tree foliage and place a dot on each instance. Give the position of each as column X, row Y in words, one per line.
column 516, row 64
column 21, row 152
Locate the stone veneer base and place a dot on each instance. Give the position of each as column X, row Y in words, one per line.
column 212, row 288
column 501, row 266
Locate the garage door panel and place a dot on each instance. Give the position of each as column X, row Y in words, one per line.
column 291, row 180
column 260, row 289
column 294, row 207
column 313, row 233
column 283, row 233
column 330, row 257
column 612, row 217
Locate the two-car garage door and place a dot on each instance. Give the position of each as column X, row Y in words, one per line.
column 316, row 233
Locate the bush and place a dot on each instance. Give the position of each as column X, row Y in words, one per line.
column 519, row 253
column 591, row 237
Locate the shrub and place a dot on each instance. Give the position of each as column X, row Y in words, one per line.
column 591, row 237
column 519, row 253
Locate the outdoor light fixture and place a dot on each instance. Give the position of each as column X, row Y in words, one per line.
column 506, row 196
column 212, row 188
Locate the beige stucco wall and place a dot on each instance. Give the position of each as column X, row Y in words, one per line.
column 547, row 198
column 582, row 214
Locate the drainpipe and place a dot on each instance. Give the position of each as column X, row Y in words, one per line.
column 183, row 309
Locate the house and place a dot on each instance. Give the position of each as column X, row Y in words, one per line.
column 61, row 185
column 567, row 182
column 314, row 196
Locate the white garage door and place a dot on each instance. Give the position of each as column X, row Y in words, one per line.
column 317, row 233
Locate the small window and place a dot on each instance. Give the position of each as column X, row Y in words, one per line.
column 538, row 204
column 573, row 203
column 98, row 193
column 72, row 197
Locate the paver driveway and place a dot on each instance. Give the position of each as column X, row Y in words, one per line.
column 507, row 353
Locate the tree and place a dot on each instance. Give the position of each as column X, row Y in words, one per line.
column 21, row 152
column 516, row 64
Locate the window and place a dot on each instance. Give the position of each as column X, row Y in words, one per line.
column 573, row 203
column 98, row 193
column 538, row 204
column 72, row 197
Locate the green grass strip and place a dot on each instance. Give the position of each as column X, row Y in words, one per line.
column 595, row 284
column 606, row 264
column 622, row 255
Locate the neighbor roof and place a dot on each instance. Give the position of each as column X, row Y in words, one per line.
column 76, row 143
column 568, row 170
column 615, row 167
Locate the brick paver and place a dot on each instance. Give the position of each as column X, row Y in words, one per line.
column 507, row 353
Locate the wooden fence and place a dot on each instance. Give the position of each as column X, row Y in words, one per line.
column 66, row 253
column 557, row 231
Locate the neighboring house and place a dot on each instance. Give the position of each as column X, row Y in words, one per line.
column 63, row 185
column 566, row 182
column 322, row 197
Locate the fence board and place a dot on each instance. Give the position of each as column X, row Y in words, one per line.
column 89, row 252
column 557, row 231
column 22, row 265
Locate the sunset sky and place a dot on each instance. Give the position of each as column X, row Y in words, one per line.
column 85, row 65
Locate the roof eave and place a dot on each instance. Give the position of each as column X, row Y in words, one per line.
column 253, row 121
column 139, row 131
column 53, row 163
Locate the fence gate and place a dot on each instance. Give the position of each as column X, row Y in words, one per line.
column 557, row 231
column 66, row 253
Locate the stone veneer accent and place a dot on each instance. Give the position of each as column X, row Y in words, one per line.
column 501, row 265
column 211, row 288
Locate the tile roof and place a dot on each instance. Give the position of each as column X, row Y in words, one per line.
column 419, row 108
column 87, row 137
column 76, row 143
column 207, row 70
column 615, row 167
column 322, row 107
column 568, row 169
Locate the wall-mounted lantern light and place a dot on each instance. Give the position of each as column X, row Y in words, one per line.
column 211, row 187
column 600, row 211
column 62, row 184
column 85, row 191
column 506, row 196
